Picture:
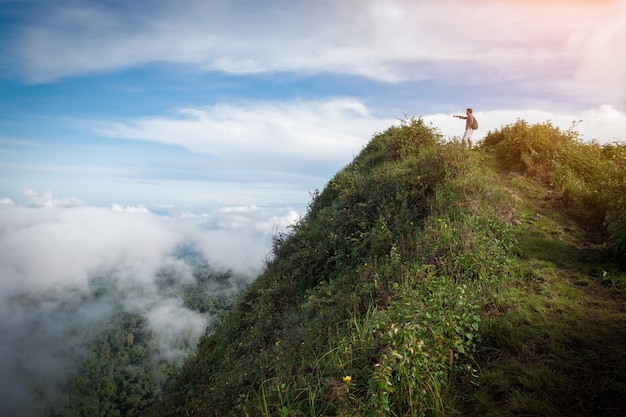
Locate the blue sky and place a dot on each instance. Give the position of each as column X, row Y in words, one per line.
column 207, row 103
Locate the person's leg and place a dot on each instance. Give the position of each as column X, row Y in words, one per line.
column 467, row 137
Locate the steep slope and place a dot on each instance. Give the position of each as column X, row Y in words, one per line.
column 422, row 281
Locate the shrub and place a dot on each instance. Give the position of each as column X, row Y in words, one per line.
column 526, row 147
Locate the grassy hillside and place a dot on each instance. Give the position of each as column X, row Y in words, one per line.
column 428, row 279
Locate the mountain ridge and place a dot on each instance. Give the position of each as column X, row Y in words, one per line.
column 424, row 280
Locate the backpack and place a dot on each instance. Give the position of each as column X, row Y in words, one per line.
column 474, row 123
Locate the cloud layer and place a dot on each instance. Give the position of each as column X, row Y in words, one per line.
column 52, row 253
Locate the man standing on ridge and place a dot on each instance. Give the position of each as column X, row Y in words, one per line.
column 469, row 127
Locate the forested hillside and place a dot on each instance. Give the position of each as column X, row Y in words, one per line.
column 126, row 365
column 429, row 279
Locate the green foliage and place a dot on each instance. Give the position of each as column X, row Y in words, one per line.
column 379, row 301
column 364, row 290
column 589, row 176
column 616, row 225
column 531, row 148
column 119, row 379
column 397, row 142
column 125, row 372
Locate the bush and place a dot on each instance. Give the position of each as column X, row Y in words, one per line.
column 532, row 148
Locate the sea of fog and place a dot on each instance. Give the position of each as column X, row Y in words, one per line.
column 52, row 252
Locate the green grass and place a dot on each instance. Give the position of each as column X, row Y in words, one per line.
column 554, row 346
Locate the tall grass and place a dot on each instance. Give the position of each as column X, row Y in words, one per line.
column 590, row 177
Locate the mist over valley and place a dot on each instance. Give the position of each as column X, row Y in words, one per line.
column 79, row 280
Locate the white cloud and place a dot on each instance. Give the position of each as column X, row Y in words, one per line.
column 252, row 218
column 318, row 131
column 605, row 124
column 129, row 209
column 277, row 223
column 172, row 322
column 44, row 249
column 47, row 200
column 230, row 236
column 479, row 41
column 602, row 57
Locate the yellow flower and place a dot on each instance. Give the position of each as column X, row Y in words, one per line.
column 347, row 379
